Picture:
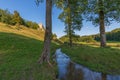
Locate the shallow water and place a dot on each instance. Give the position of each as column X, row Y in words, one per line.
column 69, row 70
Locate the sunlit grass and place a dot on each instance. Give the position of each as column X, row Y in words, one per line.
column 104, row 60
column 19, row 56
column 97, row 44
column 22, row 30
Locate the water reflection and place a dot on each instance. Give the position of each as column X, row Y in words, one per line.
column 69, row 70
column 73, row 72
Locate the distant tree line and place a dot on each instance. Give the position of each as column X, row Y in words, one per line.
column 114, row 35
column 16, row 19
column 77, row 38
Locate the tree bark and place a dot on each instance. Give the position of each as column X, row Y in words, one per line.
column 47, row 39
column 70, row 34
column 102, row 26
column 69, row 25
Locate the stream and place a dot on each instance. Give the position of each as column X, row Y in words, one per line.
column 68, row 70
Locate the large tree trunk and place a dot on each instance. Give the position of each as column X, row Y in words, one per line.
column 102, row 27
column 47, row 39
column 70, row 35
column 69, row 25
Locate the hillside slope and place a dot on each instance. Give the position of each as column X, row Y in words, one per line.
column 20, row 49
column 22, row 30
column 18, row 58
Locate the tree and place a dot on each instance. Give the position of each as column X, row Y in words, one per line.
column 5, row 16
column 31, row 24
column 102, row 12
column 54, row 36
column 47, row 39
column 71, row 16
column 17, row 18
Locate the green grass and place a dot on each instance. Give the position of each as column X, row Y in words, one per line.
column 106, row 60
column 97, row 44
column 18, row 58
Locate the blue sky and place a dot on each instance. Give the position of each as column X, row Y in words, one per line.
column 29, row 11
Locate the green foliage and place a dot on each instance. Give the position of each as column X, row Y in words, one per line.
column 77, row 38
column 5, row 16
column 54, row 36
column 114, row 35
column 64, row 38
column 101, row 13
column 105, row 60
column 16, row 19
column 71, row 15
column 31, row 24
column 109, row 8
column 87, row 39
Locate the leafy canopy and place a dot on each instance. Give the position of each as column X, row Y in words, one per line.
column 111, row 9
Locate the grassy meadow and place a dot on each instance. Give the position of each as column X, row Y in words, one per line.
column 20, row 48
column 104, row 60
column 97, row 44
column 19, row 54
